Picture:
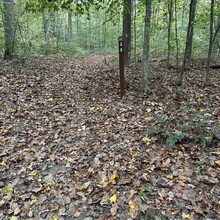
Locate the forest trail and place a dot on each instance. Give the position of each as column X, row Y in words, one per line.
column 70, row 148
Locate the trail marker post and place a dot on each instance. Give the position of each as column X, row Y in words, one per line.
column 121, row 65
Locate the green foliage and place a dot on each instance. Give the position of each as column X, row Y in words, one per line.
column 200, row 160
column 145, row 191
column 188, row 126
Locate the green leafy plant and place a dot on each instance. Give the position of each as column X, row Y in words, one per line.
column 200, row 160
column 145, row 191
column 189, row 125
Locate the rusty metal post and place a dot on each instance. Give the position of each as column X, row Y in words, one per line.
column 121, row 65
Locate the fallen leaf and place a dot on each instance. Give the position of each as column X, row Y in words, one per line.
column 17, row 210
column 217, row 162
column 26, row 150
column 2, row 202
column 3, row 164
column 76, row 214
column 8, row 190
column 91, row 170
column 170, row 177
column 113, row 176
column 114, row 209
column 33, row 173
column 185, row 216
column 133, row 208
column 113, row 198
column 146, row 139
column 54, row 217
column 69, row 160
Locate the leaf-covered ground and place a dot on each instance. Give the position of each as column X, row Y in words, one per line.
column 70, row 148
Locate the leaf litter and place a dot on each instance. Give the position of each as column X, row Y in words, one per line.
column 70, row 148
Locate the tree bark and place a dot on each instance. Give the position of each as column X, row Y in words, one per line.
column 45, row 23
column 127, row 30
column 135, row 30
column 170, row 17
column 70, row 27
column 146, row 48
column 9, row 28
column 189, row 40
column 210, row 42
column 176, row 34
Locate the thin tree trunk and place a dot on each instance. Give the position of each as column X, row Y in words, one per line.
column 77, row 27
column 70, row 27
column 210, row 42
column 189, row 40
column 89, row 33
column 170, row 17
column 176, row 33
column 104, row 32
column 135, row 31
column 127, row 30
column 45, row 22
column 9, row 27
column 146, row 48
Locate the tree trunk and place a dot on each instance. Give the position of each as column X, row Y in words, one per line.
column 127, row 30
column 9, row 27
column 146, row 48
column 70, row 27
column 176, row 34
column 210, row 42
column 189, row 40
column 45, row 22
column 135, row 30
column 170, row 17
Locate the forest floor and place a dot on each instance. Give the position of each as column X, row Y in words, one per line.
column 71, row 148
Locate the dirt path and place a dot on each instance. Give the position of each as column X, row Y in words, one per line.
column 70, row 148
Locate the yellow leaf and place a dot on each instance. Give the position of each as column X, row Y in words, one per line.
column 170, row 177
column 26, row 149
column 132, row 204
column 133, row 207
column 55, row 217
column 91, row 170
column 182, row 178
column 69, row 159
column 146, row 139
column 33, row 201
column 14, row 218
column 181, row 170
column 202, row 110
column 113, row 198
column 33, row 173
column 113, row 176
column 217, row 162
column 185, row 216
column 91, row 108
column 3, row 139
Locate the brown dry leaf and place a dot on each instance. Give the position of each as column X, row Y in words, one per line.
column 217, row 162
column 124, row 181
column 76, row 213
column 114, row 209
